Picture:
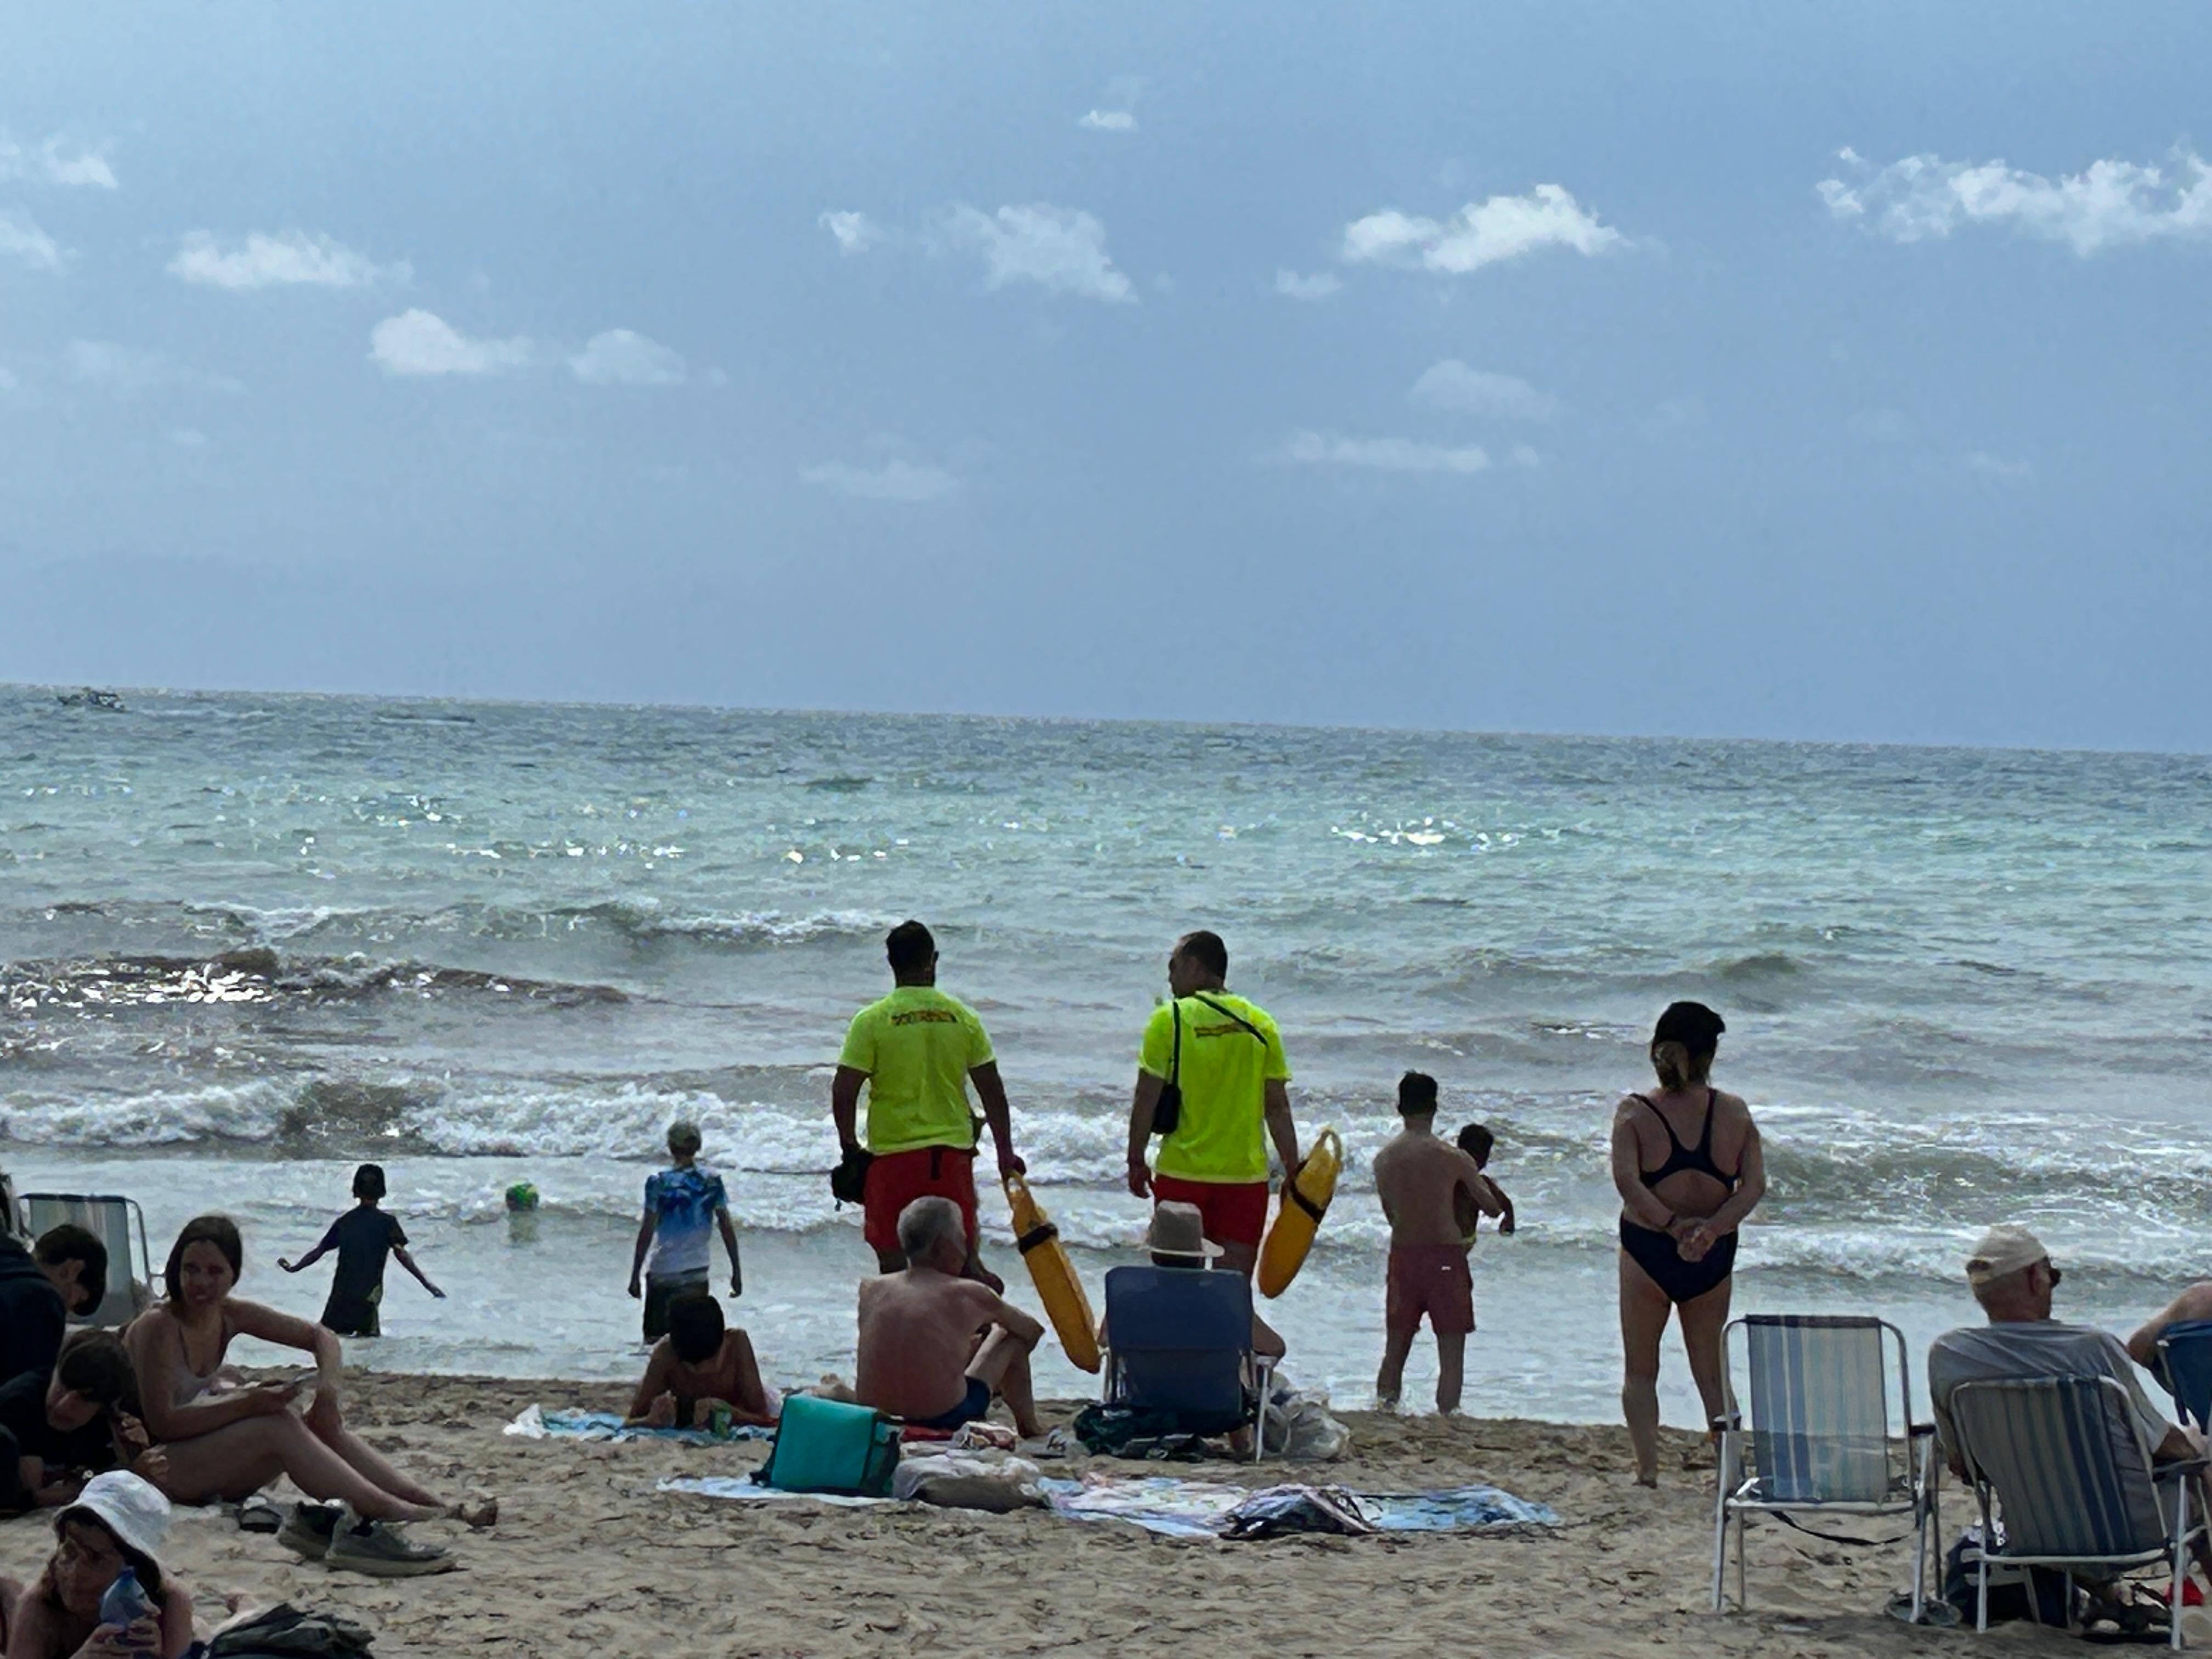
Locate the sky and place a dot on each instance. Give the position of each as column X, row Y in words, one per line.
column 1715, row 369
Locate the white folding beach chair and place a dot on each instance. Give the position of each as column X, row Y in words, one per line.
column 115, row 1222
column 1821, row 1439
column 2079, row 1489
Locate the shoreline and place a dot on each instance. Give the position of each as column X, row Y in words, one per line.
column 589, row 1559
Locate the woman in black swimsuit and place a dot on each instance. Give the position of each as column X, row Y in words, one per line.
column 1686, row 1160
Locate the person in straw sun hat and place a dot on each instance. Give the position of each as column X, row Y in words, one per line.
column 118, row 1522
column 1176, row 1238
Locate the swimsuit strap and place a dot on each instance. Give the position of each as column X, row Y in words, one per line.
column 1673, row 1139
column 1705, row 1139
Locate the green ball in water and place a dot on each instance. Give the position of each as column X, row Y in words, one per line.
column 521, row 1197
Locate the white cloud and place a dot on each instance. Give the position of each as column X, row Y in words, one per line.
column 1884, row 426
column 855, row 232
column 421, row 342
column 22, row 243
column 1996, row 466
column 2113, row 204
column 1452, row 385
column 189, row 437
column 1480, row 234
column 620, row 357
column 894, row 480
column 291, row 258
column 1673, row 415
column 1319, row 286
column 127, row 370
column 1062, row 250
column 1525, row 455
column 49, row 165
column 1383, row 454
column 1109, row 120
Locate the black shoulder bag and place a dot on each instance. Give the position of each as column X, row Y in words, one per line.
column 1167, row 1115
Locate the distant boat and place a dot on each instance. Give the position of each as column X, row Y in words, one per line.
column 92, row 697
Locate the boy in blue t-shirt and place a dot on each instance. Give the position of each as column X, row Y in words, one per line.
column 683, row 1204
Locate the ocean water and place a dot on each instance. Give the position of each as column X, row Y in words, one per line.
column 248, row 940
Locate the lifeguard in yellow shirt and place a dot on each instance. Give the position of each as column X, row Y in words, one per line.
column 1215, row 1062
column 917, row 1051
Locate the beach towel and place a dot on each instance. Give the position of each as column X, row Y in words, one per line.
column 740, row 1489
column 1176, row 1508
column 535, row 1424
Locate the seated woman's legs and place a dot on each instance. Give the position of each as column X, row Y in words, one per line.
column 377, row 1469
column 242, row 1458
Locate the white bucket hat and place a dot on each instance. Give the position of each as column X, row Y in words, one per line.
column 131, row 1509
column 1180, row 1230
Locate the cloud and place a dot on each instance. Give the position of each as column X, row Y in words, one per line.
column 127, row 370
column 1320, row 286
column 289, row 258
column 1996, row 466
column 894, row 481
column 1109, row 120
column 1480, row 234
column 421, row 342
column 1452, row 385
column 1673, row 415
column 48, row 165
column 1525, row 455
column 855, row 232
column 2113, row 204
column 1383, row 454
column 22, row 243
column 620, row 357
column 1884, row 426
column 189, row 437
column 1062, row 250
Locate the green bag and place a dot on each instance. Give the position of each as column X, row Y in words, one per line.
column 826, row 1445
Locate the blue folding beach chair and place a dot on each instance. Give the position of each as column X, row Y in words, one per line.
column 1180, row 1340
column 2079, row 1489
column 2185, row 1353
column 1821, row 1439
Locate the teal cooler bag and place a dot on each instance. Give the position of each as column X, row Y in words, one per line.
column 826, row 1445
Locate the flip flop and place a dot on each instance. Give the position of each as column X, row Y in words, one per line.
column 257, row 1514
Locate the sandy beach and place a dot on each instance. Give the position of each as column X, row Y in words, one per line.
column 589, row 1559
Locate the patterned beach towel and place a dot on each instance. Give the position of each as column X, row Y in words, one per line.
column 1202, row 1509
column 535, row 1424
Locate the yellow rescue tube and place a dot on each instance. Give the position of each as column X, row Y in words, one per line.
column 1305, row 1201
column 1058, row 1285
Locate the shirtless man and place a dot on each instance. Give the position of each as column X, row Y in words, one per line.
column 700, row 1364
column 1422, row 1181
column 934, row 1346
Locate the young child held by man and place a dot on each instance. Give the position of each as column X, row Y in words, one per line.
column 1476, row 1141
column 1421, row 1181
column 363, row 1237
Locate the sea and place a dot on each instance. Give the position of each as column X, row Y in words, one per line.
column 247, row 941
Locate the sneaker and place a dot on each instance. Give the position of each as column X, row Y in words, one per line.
column 306, row 1531
column 379, row 1550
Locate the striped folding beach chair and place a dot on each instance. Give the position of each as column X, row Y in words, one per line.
column 2065, row 1459
column 1820, row 1438
column 115, row 1222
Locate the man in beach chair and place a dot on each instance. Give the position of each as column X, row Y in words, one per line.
column 936, row 1346
column 2014, row 1281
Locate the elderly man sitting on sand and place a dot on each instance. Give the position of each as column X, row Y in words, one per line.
column 934, row 1346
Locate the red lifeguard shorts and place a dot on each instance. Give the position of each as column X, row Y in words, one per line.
column 1431, row 1280
column 896, row 1179
column 1234, row 1212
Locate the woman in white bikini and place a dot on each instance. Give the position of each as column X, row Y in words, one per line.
column 225, row 1441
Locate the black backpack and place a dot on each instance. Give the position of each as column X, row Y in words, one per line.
column 285, row 1632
